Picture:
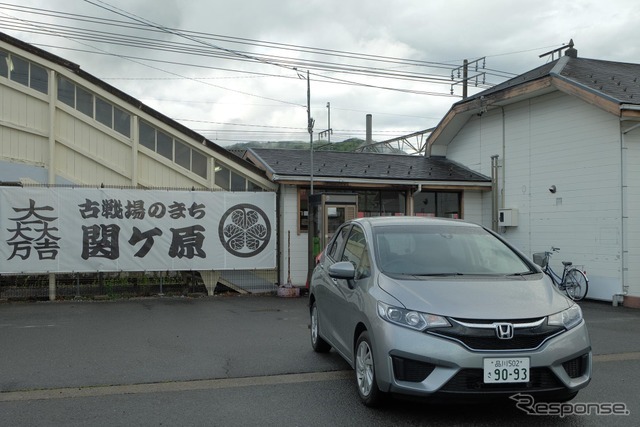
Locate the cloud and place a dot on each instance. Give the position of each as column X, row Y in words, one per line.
column 220, row 91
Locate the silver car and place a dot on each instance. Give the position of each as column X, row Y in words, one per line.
column 444, row 308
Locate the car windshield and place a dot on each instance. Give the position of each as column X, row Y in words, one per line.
column 441, row 250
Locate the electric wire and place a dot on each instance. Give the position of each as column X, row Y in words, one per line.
column 172, row 46
column 199, row 45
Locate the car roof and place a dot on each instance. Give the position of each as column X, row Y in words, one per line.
column 382, row 221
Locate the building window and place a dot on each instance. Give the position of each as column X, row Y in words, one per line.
column 164, row 145
column 381, row 203
column 238, row 182
column 39, row 79
column 252, row 186
column 183, row 155
column 122, row 122
column 222, row 179
column 4, row 64
column 24, row 72
column 199, row 163
column 19, row 70
column 147, row 136
column 229, row 180
column 66, row 92
column 438, row 203
column 103, row 112
column 370, row 203
column 173, row 149
column 84, row 101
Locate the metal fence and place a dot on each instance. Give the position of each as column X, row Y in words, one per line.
column 133, row 284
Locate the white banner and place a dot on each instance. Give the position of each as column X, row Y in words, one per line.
column 64, row 230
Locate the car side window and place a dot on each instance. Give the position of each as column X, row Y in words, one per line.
column 335, row 246
column 356, row 252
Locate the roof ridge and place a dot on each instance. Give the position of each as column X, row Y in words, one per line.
column 559, row 66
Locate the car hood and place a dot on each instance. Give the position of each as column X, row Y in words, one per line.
column 478, row 298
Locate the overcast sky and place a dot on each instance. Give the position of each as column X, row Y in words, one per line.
column 226, row 68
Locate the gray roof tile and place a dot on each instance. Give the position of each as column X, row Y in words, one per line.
column 618, row 81
column 335, row 164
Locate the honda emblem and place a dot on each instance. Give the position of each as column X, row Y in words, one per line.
column 504, row 331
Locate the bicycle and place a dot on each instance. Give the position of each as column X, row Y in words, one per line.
column 573, row 282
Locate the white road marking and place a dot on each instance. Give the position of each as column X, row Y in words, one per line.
column 175, row 386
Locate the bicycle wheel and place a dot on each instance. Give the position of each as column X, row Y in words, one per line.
column 576, row 284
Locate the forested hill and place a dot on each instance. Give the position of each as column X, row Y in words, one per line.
column 346, row 145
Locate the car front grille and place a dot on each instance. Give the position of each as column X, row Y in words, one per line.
column 480, row 335
column 411, row 370
column 471, row 380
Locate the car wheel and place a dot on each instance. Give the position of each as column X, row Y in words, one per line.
column 319, row 345
column 368, row 389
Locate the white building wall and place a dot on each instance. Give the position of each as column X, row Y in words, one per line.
column 473, row 207
column 86, row 154
column 297, row 250
column 473, row 147
column 154, row 171
column 482, row 138
column 555, row 140
column 24, row 125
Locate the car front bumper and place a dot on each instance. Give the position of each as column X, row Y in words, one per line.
column 560, row 366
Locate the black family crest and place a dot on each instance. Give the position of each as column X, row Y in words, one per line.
column 244, row 230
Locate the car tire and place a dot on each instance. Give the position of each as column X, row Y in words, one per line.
column 319, row 345
column 366, row 379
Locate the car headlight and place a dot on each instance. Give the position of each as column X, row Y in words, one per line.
column 410, row 318
column 568, row 318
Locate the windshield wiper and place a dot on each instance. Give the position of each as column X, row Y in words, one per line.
column 524, row 273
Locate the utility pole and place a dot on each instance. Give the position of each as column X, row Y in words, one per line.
column 310, row 215
column 310, row 123
column 329, row 131
column 465, row 78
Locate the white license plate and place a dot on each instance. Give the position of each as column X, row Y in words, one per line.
column 506, row 370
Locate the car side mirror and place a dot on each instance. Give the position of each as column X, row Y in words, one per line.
column 344, row 270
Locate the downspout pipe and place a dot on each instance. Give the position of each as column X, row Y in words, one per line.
column 504, row 156
column 619, row 298
column 494, row 192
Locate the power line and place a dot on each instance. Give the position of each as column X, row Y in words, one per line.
column 77, row 33
column 201, row 45
column 141, row 24
column 229, row 39
column 181, row 48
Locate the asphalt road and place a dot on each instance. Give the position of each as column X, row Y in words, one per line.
column 240, row 360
